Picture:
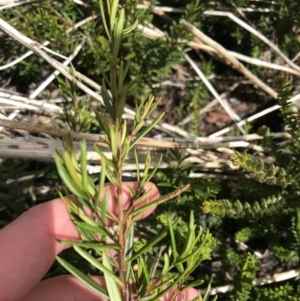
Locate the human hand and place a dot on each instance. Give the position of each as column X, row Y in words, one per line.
column 29, row 246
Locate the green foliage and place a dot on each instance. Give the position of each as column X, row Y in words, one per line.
column 243, row 283
column 172, row 240
column 296, row 228
column 290, row 250
column 77, row 111
column 56, row 23
column 244, row 234
column 176, row 175
column 290, row 112
column 281, row 292
column 232, row 257
column 256, row 170
column 286, row 195
column 157, row 273
column 270, row 191
column 269, row 205
column 284, row 254
column 178, row 266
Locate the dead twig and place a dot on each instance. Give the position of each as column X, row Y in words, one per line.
column 278, row 277
column 222, row 52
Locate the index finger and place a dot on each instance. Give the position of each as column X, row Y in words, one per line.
column 30, row 242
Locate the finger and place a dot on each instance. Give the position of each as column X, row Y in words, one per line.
column 126, row 195
column 29, row 244
column 68, row 288
column 185, row 295
column 64, row 288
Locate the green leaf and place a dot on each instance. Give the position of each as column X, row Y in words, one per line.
column 75, row 175
column 180, row 260
column 104, row 18
column 83, row 164
column 122, row 99
column 154, row 172
column 144, row 273
column 174, row 244
column 172, row 286
column 89, row 245
column 69, row 147
column 121, row 78
column 103, row 157
column 96, row 263
column 118, row 33
column 166, row 264
column 193, row 284
column 124, row 133
column 95, row 229
column 150, row 244
column 101, row 181
column 159, row 201
column 83, row 278
column 111, row 280
column 146, row 168
column 127, row 65
column 137, row 165
column 84, row 204
column 107, row 100
column 189, row 242
column 146, row 130
column 104, row 205
column 129, row 247
column 113, row 142
column 207, row 293
column 130, row 28
column 113, row 12
column 63, row 173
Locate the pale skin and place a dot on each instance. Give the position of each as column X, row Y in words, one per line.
column 28, row 247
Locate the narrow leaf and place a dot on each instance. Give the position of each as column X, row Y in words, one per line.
column 207, row 293
column 122, row 100
column 166, row 264
column 129, row 248
column 137, row 165
column 131, row 27
column 104, row 206
column 113, row 142
column 96, row 263
column 145, row 276
column 90, row 245
column 189, row 242
column 107, row 100
column 101, row 180
column 155, row 168
column 95, row 229
column 146, row 130
column 150, row 244
column 63, row 173
column 113, row 12
column 118, row 33
column 111, row 280
column 160, row 200
column 174, row 245
column 75, row 175
column 83, row 278
column 83, row 164
column 193, row 284
column 104, row 18
column 127, row 65
column 103, row 157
